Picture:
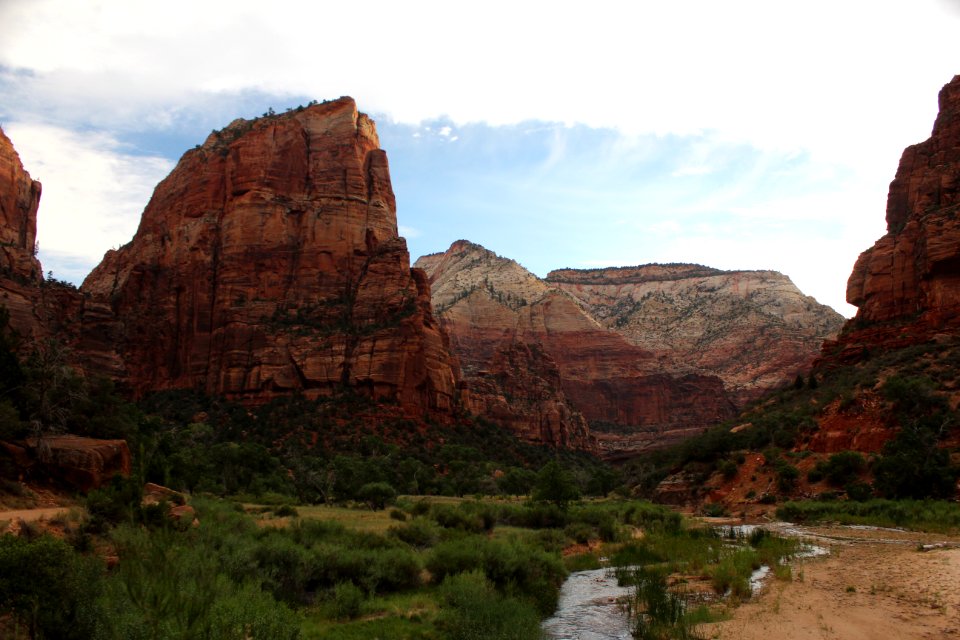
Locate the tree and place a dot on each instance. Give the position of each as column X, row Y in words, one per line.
column 555, row 484
column 51, row 389
column 377, row 494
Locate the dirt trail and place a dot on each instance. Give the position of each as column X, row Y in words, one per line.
column 31, row 515
column 875, row 584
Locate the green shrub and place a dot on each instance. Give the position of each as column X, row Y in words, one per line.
column 285, row 511
column 471, row 609
column 579, row 532
column 842, row 468
column 419, row 533
column 36, row 573
column 347, row 600
column 456, row 556
column 377, row 494
column 859, row 491
column 727, row 468
column 787, row 475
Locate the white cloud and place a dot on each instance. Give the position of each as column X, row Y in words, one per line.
column 409, row 232
column 847, row 84
column 93, row 193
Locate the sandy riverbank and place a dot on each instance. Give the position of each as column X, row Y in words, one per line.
column 875, row 584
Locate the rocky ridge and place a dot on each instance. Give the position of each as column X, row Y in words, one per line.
column 494, row 308
column 752, row 329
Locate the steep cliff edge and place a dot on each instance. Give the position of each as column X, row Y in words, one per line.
column 532, row 356
column 752, row 329
column 269, row 262
column 20, row 271
column 907, row 285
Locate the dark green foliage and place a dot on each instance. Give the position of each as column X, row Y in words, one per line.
column 913, row 464
column 377, row 495
column 47, row 588
column 517, row 481
column 172, row 585
column 927, row 515
column 513, row 567
column 419, row 533
column 787, row 476
column 327, row 450
column 285, row 511
column 472, row 609
column 115, row 503
column 842, row 467
column 728, row 468
column 555, row 484
column 347, row 600
column 859, row 491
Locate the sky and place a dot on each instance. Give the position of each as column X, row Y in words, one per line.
column 739, row 135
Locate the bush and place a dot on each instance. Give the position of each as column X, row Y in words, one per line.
column 285, row 511
column 473, row 610
column 377, row 495
column 842, row 468
column 36, row 573
column 787, row 475
column 727, row 468
column 347, row 601
column 579, row 532
column 418, row 533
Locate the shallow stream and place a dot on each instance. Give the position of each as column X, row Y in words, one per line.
column 588, row 608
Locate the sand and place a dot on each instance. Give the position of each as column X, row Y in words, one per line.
column 874, row 584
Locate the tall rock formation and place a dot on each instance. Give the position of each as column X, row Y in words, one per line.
column 532, row 356
column 915, row 268
column 269, row 262
column 20, row 271
column 907, row 286
column 752, row 329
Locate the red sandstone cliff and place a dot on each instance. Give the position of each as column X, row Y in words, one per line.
column 907, row 286
column 534, row 358
column 269, row 262
column 20, row 271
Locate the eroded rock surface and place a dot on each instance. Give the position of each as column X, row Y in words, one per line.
column 269, row 262
column 907, row 285
column 535, row 358
column 751, row 329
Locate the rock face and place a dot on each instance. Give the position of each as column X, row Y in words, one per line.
column 751, row 329
column 20, row 271
column 84, row 463
column 907, row 286
column 647, row 355
column 269, row 262
column 533, row 357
